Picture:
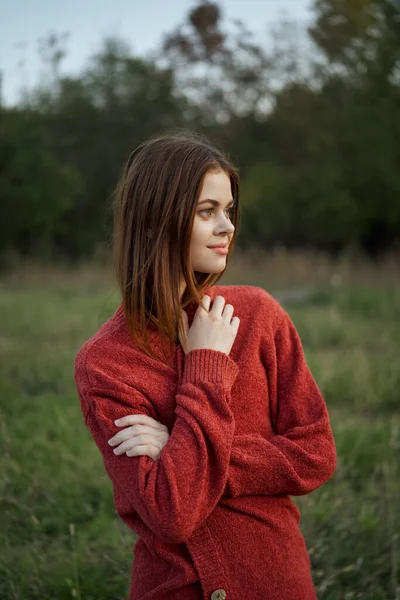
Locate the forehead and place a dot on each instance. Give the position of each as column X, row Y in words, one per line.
column 216, row 185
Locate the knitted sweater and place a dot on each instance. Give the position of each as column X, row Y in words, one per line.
column 213, row 514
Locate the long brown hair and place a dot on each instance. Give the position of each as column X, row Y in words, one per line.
column 154, row 209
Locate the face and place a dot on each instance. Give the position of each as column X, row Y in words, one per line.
column 212, row 223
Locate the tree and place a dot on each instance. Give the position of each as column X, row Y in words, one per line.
column 359, row 35
column 226, row 75
column 95, row 121
column 362, row 38
column 36, row 190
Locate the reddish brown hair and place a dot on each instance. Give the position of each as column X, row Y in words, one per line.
column 154, row 210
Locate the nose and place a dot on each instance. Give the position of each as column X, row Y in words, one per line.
column 228, row 229
column 226, row 224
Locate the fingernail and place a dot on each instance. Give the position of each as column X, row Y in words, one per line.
column 117, row 422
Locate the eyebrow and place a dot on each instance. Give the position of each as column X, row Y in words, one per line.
column 215, row 202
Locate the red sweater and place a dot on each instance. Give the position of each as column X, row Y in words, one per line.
column 213, row 514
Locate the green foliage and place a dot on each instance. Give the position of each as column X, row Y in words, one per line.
column 358, row 33
column 36, row 189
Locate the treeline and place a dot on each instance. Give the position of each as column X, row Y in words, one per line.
column 312, row 119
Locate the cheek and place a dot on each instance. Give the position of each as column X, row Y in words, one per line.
column 201, row 234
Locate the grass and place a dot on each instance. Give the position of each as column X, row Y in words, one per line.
column 61, row 537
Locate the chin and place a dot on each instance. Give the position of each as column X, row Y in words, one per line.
column 211, row 268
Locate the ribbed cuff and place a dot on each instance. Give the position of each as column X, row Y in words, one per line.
column 204, row 364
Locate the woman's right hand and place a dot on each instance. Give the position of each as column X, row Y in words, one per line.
column 213, row 328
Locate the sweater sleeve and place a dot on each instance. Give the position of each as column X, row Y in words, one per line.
column 302, row 454
column 175, row 494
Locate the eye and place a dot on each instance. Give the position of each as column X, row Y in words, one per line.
column 229, row 210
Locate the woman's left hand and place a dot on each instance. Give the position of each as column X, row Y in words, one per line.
column 142, row 436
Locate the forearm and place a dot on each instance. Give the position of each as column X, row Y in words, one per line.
column 175, row 495
column 296, row 463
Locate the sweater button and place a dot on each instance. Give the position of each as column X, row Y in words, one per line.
column 218, row 595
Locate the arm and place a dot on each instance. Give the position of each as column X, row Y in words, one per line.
column 176, row 494
column 302, row 455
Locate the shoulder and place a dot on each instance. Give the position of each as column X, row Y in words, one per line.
column 240, row 293
column 264, row 318
column 101, row 358
column 252, row 300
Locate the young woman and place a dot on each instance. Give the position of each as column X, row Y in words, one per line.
column 198, row 395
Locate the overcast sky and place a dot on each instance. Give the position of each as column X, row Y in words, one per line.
column 142, row 23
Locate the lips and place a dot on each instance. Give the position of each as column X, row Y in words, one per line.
column 220, row 250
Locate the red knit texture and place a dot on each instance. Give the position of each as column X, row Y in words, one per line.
column 247, row 431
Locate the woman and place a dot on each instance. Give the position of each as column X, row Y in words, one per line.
column 208, row 419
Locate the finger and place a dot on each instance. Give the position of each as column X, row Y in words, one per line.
column 138, row 419
column 137, row 441
column 145, row 450
column 235, row 323
column 133, row 431
column 218, row 305
column 206, row 301
column 228, row 312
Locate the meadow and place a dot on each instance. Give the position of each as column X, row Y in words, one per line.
column 60, row 535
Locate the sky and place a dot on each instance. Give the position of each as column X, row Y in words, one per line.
column 140, row 23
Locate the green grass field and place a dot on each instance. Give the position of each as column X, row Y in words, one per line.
column 61, row 537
